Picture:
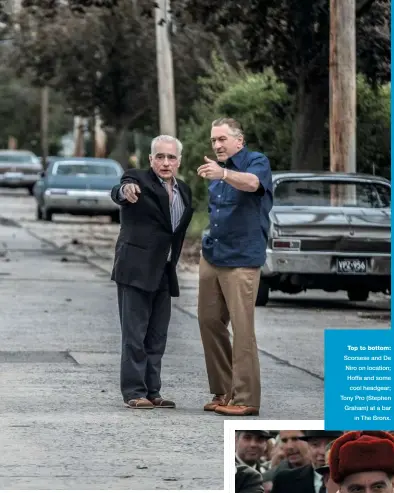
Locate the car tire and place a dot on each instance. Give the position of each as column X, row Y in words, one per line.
column 47, row 215
column 358, row 294
column 263, row 293
column 115, row 217
column 39, row 213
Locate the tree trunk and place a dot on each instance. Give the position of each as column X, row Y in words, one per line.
column 93, row 136
column 309, row 127
column 79, row 136
column 120, row 151
column 100, row 138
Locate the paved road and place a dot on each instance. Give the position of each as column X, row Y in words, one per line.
column 62, row 425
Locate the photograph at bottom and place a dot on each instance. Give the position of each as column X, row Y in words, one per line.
column 313, row 461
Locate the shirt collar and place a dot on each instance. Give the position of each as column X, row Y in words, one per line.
column 174, row 182
column 238, row 158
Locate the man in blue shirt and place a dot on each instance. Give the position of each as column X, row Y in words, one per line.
column 240, row 199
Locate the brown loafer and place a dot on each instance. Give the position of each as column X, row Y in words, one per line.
column 160, row 402
column 140, row 403
column 233, row 410
column 218, row 400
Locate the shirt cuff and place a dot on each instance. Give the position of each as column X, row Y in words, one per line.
column 121, row 195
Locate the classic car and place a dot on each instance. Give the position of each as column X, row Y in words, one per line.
column 79, row 186
column 329, row 231
column 19, row 169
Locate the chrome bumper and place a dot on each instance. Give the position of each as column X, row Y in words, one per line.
column 80, row 200
column 297, row 262
column 17, row 179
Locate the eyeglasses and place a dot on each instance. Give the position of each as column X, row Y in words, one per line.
column 161, row 157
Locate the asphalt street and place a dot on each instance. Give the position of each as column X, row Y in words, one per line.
column 62, row 422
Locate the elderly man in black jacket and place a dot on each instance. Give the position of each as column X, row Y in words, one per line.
column 155, row 213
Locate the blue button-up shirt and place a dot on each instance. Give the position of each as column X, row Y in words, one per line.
column 239, row 221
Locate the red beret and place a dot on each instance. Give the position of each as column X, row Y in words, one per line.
column 361, row 451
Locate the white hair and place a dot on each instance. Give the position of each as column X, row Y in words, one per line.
column 167, row 138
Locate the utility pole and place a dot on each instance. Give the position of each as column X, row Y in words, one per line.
column 342, row 85
column 165, row 71
column 44, row 124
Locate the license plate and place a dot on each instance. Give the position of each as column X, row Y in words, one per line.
column 351, row 266
column 87, row 202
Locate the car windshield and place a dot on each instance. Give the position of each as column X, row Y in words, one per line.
column 325, row 193
column 18, row 158
column 83, row 169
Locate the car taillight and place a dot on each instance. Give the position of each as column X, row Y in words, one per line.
column 281, row 244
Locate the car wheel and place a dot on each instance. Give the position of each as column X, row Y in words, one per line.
column 47, row 215
column 115, row 217
column 39, row 213
column 263, row 293
column 358, row 294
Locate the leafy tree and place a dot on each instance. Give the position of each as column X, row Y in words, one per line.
column 265, row 107
column 292, row 37
column 105, row 59
column 373, row 128
column 101, row 60
column 259, row 100
column 20, row 114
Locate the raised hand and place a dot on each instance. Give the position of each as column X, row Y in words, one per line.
column 131, row 192
column 210, row 170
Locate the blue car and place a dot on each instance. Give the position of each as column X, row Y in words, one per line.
column 78, row 186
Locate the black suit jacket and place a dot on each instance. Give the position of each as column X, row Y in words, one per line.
column 248, row 480
column 146, row 234
column 299, row 480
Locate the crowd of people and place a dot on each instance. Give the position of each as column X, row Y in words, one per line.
column 308, row 461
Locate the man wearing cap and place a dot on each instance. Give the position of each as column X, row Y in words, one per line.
column 324, row 471
column 294, row 450
column 363, row 462
column 306, row 479
column 250, row 446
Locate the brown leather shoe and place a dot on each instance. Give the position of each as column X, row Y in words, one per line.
column 140, row 403
column 218, row 400
column 233, row 410
column 160, row 402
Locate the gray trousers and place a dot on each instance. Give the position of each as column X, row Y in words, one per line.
column 144, row 320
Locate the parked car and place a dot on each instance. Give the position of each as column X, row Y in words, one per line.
column 79, row 186
column 19, row 169
column 329, row 231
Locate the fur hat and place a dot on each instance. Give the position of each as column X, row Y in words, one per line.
column 361, row 451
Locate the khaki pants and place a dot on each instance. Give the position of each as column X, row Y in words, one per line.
column 230, row 294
